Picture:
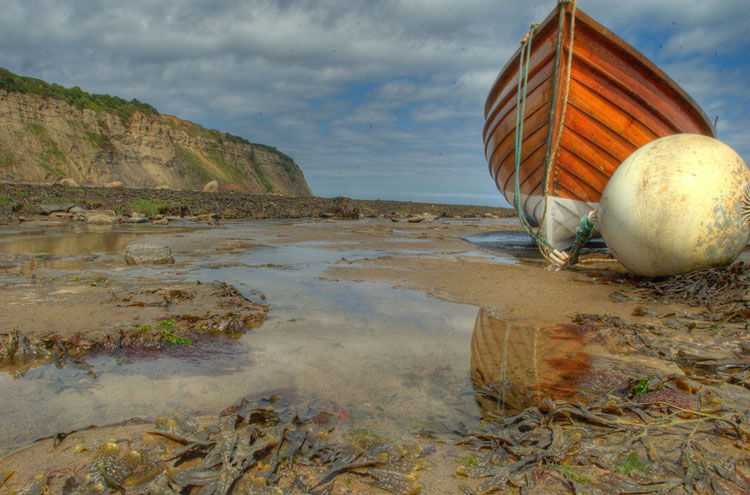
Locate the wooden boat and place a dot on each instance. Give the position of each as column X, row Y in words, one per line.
column 600, row 101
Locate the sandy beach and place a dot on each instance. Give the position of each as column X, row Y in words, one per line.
column 297, row 275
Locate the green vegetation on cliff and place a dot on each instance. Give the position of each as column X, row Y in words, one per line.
column 74, row 96
column 194, row 168
column 52, row 153
column 52, row 143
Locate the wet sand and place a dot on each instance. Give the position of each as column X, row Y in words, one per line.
column 71, row 292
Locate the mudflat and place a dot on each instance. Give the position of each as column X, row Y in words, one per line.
column 618, row 380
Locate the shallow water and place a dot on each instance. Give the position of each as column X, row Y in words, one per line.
column 74, row 239
column 387, row 359
column 515, row 366
column 518, row 243
column 391, row 360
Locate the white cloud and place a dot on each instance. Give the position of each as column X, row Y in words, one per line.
column 388, row 92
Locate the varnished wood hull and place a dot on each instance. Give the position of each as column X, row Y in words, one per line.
column 617, row 102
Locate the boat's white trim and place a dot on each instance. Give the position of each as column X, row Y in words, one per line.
column 562, row 219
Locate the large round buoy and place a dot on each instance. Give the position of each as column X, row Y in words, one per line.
column 677, row 204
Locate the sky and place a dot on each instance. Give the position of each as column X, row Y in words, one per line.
column 374, row 99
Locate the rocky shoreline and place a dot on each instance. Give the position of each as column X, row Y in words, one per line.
column 18, row 201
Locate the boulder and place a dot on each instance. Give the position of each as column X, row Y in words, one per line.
column 66, row 182
column 141, row 253
column 207, row 216
column 429, row 217
column 135, row 217
column 100, row 219
column 211, row 186
column 47, row 208
column 415, row 218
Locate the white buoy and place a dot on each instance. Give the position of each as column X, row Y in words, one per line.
column 677, row 204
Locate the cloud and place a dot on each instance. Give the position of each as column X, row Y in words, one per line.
column 387, row 93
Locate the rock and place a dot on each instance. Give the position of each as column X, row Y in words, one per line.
column 100, row 219
column 327, row 214
column 429, row 217
column 135, row 217
column 415, row 218
column 211, row 186
column 160, row 221
column 208, row 216
column 161, row 187
column 61, row 214
column 66, row 182
column 47, row 208
column 395, row 218
column 115, row 183
column 140, row 253
column 77, row 210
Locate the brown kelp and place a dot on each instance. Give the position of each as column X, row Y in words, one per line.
column 257, row 447
column 685, row 432
column 616, row 445
column 235, row 315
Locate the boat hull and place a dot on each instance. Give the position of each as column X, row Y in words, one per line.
column 616, row 102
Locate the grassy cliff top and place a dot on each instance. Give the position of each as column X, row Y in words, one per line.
column 80, row 99
column 74, row 96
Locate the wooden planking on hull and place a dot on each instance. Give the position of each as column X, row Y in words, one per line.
column 617, row 102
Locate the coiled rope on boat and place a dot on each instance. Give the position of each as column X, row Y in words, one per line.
column 585, row 230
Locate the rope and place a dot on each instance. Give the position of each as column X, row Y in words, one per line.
column 504, row 370
column 553, row 154
column 545, row 248
column 523, row 78
column 567, row 78
column 583, row 235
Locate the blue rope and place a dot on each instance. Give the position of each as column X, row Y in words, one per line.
column 585, row 228
column 583, row 235
column 523, row 78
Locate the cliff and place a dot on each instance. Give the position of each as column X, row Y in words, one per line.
column 47, row 132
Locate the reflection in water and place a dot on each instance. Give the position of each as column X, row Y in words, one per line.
column 75, row 239
column 387, row 359
column 517, row 366
column 514, row 366
column 66, row 246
